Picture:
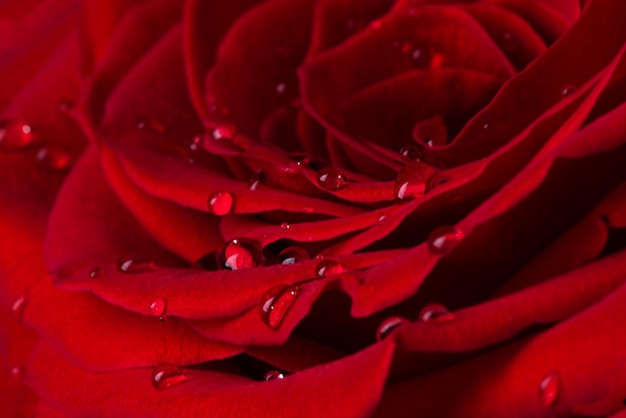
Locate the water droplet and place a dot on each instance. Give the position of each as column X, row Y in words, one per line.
column 313, row 164
column 166, row 375
column 96, row 273
column 273, row 375
column 292, row 255
column 388, row 325
column 18, row 307
column 549, row 389
column 14, row 135
column 151, row 125
column 330, row 178
column 53, row 158
column 66, row 106
column 437, row 181
column 443, row 239
column 226, row 131
column 435, row 312
column 157, row 308
column 240, row 254
column 412, row 179
column 410, row 153
column 285, row 226
column 258, row 178
column 281, row 88
column 220, row 203
column 567, row 90
column 16, row 373
column 328, row 267
column 276, row 302
column 134, row 266
column 382, row 218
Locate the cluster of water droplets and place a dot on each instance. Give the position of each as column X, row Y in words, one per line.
column 19, row 136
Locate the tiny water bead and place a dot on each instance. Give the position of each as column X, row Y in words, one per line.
column 15, row 135
column 281, row 88
column 410, row 153
column 330, row 178
column 240, row 254
column 225, row 131
column 443, row 239
column 18, row 306
column 549, row 389
column 273, row 375
column 96, row 273
column 166, row 375
column 259, row 178
column 437, row 181
column 328, row 267
column 292, row 255
column 132, row 265
column 151, row 125
column 276, row 303
column 220, row 203
column 567, row 90
column 435, row 312
column 53, row 158
column 388, row 326
column 157, row 308
column 16, row 373
column 412, row 180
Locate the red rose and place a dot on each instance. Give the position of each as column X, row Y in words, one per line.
column 313, row 208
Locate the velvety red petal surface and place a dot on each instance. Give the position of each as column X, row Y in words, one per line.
column 313, row 208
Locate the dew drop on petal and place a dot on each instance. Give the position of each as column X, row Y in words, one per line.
column 285, row 226
column 273, row 375
column 549, row 389
column 292, row 255
column 53, row 158
column 567, row 90
column 225, row 131
column 240, row 254
column 436, row 181
column 276, row 303
column 151, row 125
column 220, row 203
column 18, row 306
column 166, row 375
column 388, row 326
column 435, row 312
column 443, row 239
column 257, row 179
column 16, row 373
column 410, row 153
column 96, row 273
column 330, row 178
column 157, row 308
column 132, row 265
column 281, row 88
column 14, row 135
column 327, row 268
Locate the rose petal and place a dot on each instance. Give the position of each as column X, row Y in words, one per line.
column 585, row 353
column 213, row 392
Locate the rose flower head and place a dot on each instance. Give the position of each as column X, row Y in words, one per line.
column 313, row 208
